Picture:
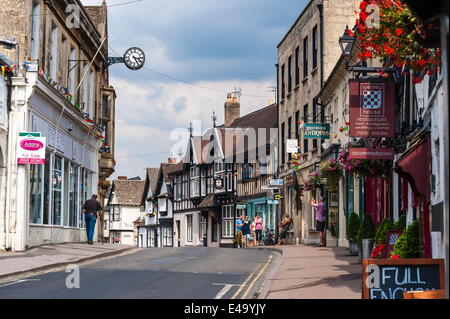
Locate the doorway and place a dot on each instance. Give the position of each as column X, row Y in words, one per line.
column 178, row 234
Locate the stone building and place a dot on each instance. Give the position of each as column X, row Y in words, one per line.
column 306, row 57
column 60, row 91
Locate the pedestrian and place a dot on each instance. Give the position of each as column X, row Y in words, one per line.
column 258, row 229
column 284, row 228
column 252, row 229
column 90, row 209
column 239, row 224
column 320, row 218
column 246, row 232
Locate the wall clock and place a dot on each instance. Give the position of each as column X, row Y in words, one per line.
column 134, row 58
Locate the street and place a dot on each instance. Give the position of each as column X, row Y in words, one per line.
column 162, row 273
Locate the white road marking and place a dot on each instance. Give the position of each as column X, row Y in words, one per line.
column 17, row 282
column 224, row 290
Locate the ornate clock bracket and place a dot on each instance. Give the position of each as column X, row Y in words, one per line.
column 114, row 60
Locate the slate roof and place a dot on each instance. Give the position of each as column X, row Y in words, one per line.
column 129, row 192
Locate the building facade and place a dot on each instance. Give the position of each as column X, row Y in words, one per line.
column 306, row 56
column 60, row 89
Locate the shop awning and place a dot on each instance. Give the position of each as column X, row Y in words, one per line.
column 415, row 167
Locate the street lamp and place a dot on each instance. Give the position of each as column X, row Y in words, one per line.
column 346, row 42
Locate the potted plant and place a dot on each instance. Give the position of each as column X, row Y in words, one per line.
column 312, row 184
column 408, row 245
column 400, row 224
column 352, row 233
column 331, row 170
column 386, row 225
column 366, row 236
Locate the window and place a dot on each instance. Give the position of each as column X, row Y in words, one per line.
column 53, row 52
column 289, row 133
column 47, row 187
column 297, row 66
column 227, row 221
column 92, row 95
column 297, row 120
column 189, row 228
column 203, row 182
column 86, row 190
column 57, row 187
column 229, row 177
column 84, row 90
column 283, row 145
column 315, row 47
column 283, row 84
column 35, row 29
column 105, row 106
column 73, row 194
column 162, row 206
column 116, row 213
column 314, row 121
column 36, row 182
column 289, row 74
column 195, row 181
column 178, row 187
column 219, row 169
column 72, row 72
column 305, row 57
column 202, row 232
column 167, row 236
column 305, row 119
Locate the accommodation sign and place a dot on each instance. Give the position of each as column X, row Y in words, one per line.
column 316, row 130
column 31, row 149
column 372, row 109
column 371, row 153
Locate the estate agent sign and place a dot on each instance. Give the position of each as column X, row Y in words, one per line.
column 31, row 149
column 372, row 109
column 316, row 130
column 390, row 278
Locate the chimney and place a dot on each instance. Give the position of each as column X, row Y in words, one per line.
column 172, row 160
column 122, row 178
column 232, row 109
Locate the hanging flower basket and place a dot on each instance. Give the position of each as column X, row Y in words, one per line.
column 105, row 184
column 365, row 167
column 331, row 172
column 312, row 184
column 396, row 38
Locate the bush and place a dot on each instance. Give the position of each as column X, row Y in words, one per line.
column 400, row 224
column 382, row 230
column 367, row 229
column 353, row 227
column 407, row 245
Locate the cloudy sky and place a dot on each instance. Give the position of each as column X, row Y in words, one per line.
column 215, row 45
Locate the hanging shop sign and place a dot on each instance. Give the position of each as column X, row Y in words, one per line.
column 241, row 206
column 371, row 153
column 31, row 149
column 390, row 278
column 276, row 182
column 316, row 130
column 372, row 109
column 272, row 202
column 218, row 182
column 292, row 146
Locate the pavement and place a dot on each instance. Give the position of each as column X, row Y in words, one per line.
column 309, row 272
column 52, row 256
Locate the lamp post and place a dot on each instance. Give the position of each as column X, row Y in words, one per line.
column 346, row 42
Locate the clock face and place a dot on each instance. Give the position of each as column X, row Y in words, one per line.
column 134, row 58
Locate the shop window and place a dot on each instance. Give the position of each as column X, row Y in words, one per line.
column 167, row 236
column 73, row 194
column 47, row 187
column 36, row 183
column 227, row 221
column 57, row 190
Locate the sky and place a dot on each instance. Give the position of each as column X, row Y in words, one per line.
column 214, row 45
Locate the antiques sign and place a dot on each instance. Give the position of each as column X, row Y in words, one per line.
column 372, row 109
column 316, row 130
column 390, row 278
column 371, row 153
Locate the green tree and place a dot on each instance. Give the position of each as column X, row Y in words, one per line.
column 400, row 224
column 353, row 227
column 367, row 229
column 382, row 230
column 407, row 245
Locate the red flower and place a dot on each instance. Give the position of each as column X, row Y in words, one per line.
column 398, row 32
column 388, row 50
column 395, row 256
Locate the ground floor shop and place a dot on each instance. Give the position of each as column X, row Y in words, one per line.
column 153, row 236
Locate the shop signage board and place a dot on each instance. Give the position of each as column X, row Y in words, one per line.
column 272, row 202
column 292, row 146
column 316, row 130
column 276, row 182
column 241, row 206
column 390, row 278
column 372, row 109
column 371, row 153
column 31, row 148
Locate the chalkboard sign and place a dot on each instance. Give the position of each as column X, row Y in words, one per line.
column 392, row 237
column 390, row 278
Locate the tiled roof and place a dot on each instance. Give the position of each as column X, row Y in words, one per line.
column 262, row 118
column 166, row 169
column 153, row 174
column 129, row 192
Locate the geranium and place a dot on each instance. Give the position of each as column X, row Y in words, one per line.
column 365, row 167
column 312, row 184
column 397, row 36
column 332, row 171
column 378, row 251
column 395, row 256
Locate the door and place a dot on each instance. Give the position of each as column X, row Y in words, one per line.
column 178, row 234
column 214, row 229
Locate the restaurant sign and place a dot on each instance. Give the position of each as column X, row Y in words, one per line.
column 31, row 149
column 372, row 109
column 316, row 130
column 371, row 153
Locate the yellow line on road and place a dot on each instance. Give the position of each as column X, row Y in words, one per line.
column 256, row 278
column 245, row 282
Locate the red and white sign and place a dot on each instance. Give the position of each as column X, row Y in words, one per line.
column 372, row 109
column 31, row 150
column 371, row 153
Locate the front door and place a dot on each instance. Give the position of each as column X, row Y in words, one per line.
column 214, row 229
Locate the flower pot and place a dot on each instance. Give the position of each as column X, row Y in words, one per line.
column 367, row 246
column 353, row 248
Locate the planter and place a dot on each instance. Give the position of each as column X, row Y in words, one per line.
column 353, row 248
column 367, row 246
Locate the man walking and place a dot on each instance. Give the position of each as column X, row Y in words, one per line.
column 90, row 209
column 320, row 218
column 239, row 224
